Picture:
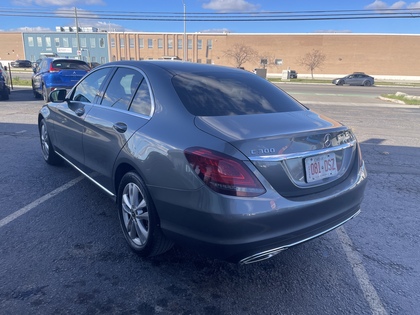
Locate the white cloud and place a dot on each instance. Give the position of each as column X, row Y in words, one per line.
column 381, row 5
column 57, row 2
column 230, row 6
column 31, row 29
column 414, row 5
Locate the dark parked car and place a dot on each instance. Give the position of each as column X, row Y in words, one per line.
column 57, row 73
column 357, row 78
column 293, row 74
column 21, row 64
column 213, row 158
column 4, row 83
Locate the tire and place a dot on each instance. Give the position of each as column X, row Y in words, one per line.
column 367, row 83
column 341, row 82
column 45, row 93
column 138, row 218
column 47, row 150
column 36, row 94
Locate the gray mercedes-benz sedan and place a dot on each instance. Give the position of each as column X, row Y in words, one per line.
column 209, row 157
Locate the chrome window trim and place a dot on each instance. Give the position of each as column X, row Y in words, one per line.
column 152, row 96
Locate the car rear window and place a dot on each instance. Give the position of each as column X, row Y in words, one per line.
column 231, row 93
column 70, row 64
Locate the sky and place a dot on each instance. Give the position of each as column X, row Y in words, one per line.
column 235, row 16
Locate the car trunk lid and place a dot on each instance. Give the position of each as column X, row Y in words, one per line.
column 297, row 152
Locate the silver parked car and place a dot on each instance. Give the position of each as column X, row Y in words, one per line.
column 357, row 78
column 210, row 157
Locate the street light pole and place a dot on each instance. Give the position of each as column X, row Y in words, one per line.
column 77, row 33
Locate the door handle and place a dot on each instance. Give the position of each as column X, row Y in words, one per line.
column 120, row 127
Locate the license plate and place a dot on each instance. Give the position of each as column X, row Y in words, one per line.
column 320, row 167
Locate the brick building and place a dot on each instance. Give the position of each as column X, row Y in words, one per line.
column 381, row 55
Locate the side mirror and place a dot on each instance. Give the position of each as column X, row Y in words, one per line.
column 58, row 96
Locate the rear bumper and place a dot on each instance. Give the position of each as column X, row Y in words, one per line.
column 249, row 231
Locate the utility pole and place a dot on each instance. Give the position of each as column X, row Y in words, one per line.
column 77, row 35
column 185, row 33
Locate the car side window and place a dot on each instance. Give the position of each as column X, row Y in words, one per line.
column 88, row 88
column 142, row 102
column 121, row 89
column 42, row 65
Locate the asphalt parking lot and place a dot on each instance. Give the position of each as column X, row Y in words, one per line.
column 62, row 252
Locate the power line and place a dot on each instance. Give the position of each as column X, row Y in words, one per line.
column 269, row 16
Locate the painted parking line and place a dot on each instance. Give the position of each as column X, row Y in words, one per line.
column 359, row 271
column 39, row 201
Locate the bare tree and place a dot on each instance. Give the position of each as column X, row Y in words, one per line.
column 313, row 60
column 240, row 54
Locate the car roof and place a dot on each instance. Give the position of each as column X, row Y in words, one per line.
column 175, row 67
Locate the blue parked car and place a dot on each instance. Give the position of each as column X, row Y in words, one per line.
column 57, row 73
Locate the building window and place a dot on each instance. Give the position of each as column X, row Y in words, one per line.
column 200, row 44
column 92, row 42
column 47, row 41
column 57, row 42
column 74, row 42
column 141, row 43
column 31, row 41
column 103, row 60
column 160, row 43
column 39, row 41
column 208, row 61
column 83, row 42
column 122, row 43
column 131, row 42
column 101, row 43
column 209, row 44
column 112, row 42
column 190, row 44
column 179, row 43
column 65, row 42
column 170, row 44
column 150, row 43
column 198, row 60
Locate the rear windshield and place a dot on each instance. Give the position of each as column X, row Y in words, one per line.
column 231, row 93
column 70, row 64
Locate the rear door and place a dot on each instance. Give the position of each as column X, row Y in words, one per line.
column 125, row 107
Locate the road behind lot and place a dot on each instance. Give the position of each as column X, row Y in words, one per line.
column 62, row 252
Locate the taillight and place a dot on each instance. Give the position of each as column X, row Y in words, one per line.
column 52, row 69
column 223, row 174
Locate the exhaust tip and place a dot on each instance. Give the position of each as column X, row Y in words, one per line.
column 261, row 256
